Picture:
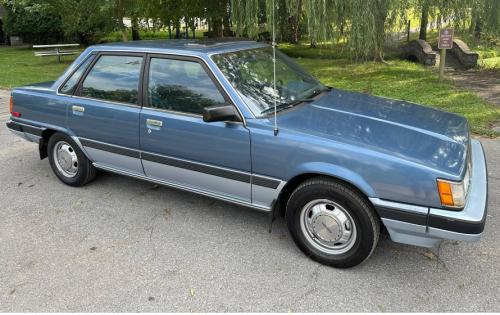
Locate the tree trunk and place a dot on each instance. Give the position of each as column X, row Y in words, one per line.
column 119, row 14
column 135, row 29
column 193, row 28
column 227, row 26
column 296, row 33
column 380, row 12
column 177, row 29
column 217, row 30
column 169, row 29
column 478, row 29
column 424, row 21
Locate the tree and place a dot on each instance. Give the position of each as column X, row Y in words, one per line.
column 85, row 20
column 485, row 17
column 32, row 20
column 424, row 19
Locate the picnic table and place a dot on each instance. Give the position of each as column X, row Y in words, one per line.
column 55, row 50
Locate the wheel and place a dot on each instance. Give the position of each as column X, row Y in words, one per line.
column 68, row 162
column 332, row 223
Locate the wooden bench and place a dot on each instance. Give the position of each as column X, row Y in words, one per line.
column 55, row 50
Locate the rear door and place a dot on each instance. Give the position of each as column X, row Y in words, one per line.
column 104, row 113
column 178, row 146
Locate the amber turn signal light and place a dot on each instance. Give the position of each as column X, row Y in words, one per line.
column 445, row 193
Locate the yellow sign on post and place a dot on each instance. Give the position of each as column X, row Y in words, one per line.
column 445, row 41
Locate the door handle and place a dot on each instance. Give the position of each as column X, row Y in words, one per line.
column 78, row 110
column 153, row 122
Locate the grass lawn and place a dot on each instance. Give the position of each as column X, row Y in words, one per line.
column 398, row 79
column 19, row 66
column 407, row 81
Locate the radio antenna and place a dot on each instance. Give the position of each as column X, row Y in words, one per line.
column 276, row 130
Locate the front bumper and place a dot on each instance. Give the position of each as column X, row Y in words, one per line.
column 423, row 226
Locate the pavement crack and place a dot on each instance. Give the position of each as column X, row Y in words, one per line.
column 439, row 260
column 151, row 231
column 313, row 281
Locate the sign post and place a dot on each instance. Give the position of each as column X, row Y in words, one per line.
column 445, row 42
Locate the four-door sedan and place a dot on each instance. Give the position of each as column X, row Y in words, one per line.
column 199, row 116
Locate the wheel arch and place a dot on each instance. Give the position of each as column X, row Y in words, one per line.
column 306, row 172
column 44, row 140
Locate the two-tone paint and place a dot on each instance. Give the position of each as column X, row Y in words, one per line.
column 392, row 151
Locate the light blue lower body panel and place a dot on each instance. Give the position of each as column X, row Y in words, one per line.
column 210, row 183
column 122, row 162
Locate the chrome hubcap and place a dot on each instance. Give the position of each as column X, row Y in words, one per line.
column 65, row 159
column 328, row 226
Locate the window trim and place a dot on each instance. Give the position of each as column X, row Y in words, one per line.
column 205, row 67
column 98, row 56
column 69, row 76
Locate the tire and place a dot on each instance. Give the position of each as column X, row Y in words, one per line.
column 73, row 168
column 332, row 223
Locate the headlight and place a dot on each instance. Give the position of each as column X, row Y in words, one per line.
column 453, row 194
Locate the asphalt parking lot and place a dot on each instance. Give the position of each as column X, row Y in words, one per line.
column 121, row 244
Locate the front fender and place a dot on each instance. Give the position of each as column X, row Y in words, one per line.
column 327, row 169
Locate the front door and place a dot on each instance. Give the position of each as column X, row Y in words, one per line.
column 104, row 113
column 178, row 146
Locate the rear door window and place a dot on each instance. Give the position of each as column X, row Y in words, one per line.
column 114, row 78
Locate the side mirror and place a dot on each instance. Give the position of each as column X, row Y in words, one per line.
column 220, row 113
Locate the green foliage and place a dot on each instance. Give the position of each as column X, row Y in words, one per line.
column 33, row 20
column 85, row 20
column 245, row 14
column 364, row 24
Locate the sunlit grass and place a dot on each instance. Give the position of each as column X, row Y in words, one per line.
column 19, row 66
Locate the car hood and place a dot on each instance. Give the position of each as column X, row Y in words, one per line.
column 416, row 133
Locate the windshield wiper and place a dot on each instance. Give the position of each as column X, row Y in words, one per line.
column 283, row 106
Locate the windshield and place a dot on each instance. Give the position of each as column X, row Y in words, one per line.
column 251, row 74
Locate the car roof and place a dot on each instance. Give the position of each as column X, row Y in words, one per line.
column 204, row 46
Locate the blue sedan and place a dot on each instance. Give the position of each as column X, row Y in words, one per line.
column 200, row 116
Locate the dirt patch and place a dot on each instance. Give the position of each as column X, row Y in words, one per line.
column 484, row 83
column 496, row 127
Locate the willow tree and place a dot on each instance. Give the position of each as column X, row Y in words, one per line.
column 485, row 17
column 248, row 15
column 476, row 16
column 362, row 22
